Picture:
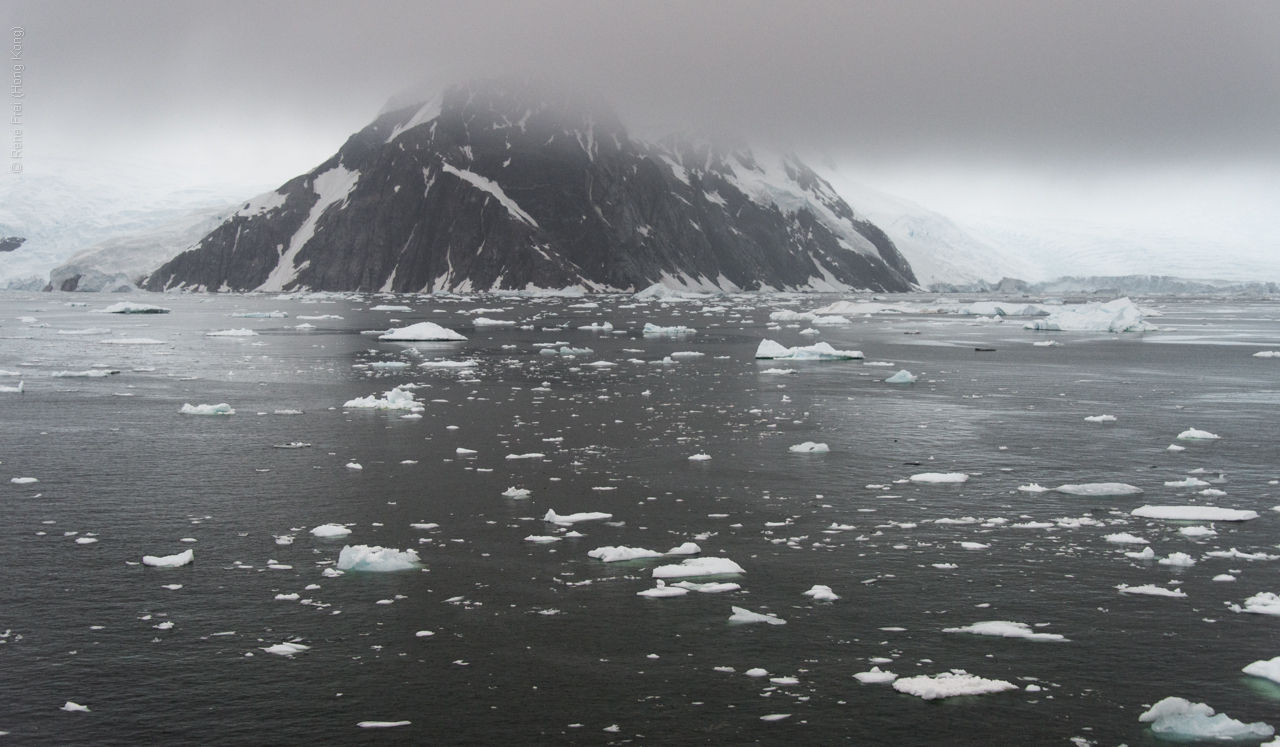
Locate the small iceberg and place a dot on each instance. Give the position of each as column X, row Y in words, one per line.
column 711, row 587
column 700, row 458
column 232, row 333
column 366, row 558
column 1182, row 720
column 698, row 567
column 1100, row 419
column 1178, row 559
column 1193, row 513
column 610, row 554
column 1151, row 590
column 821, row 351
column 1268, row 669
column 169, row 561
column 330, row 530
column 261, row 315
column 1005, row 629
column 950, row 684
column 514, row 492
column 422, row 331
column 1262, row 603
column 396, row 399
column 1099, row 489
column 940, row 477
column 902, row 377
column 822, row 593
column 1193, row 434
column 743, row 615
column 875, row 677
column 1120, row 315
column 653, row 330
column 124, row 307
column 554, row 518
column 1125, row 538
column 662, row 590
column 286, row 649
column 222, row 409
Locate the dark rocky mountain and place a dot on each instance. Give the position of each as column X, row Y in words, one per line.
column 501, row 185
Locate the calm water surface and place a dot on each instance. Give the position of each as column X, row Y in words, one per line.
column 540, row 644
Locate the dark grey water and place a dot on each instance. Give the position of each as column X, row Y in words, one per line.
column 540, row 644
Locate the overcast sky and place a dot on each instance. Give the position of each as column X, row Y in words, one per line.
column 967, row 107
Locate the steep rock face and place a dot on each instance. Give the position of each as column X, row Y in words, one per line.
column 498, row 185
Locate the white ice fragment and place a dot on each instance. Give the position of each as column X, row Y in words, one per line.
column 232, row 333
column 822, row 593
column 950, row 684
column 1179, row 559
column 169, row 561
column 1192, row 434
column 610, row 554
column 1151, row 590
column 1120, row 315
column 530, row 455
column 711, row 587
column 1099, row 489
column 23, row 480
column 554, row 518
column 688, row 548
column 70, row 707
column 124, row 307
column 366, row 558
column 875, row 677
column 1005, row 629
column 396, row 399
column 700, row 458
column 775, row 717
column 1270, row 669
column 541, row 539
column 1146, row 554
column 1182, row 720
column 1262, row 603
column 1033, row 488
column 902, row 377
column 1223, row 577
column 1193, row 513
column 354, row 465
column 330, row 530
column 1100, row 419
column 757, row 672
column 940, row 477
column 222, row 409
column 382, row 724
column 1189, row 482
column 809, row 447
column 662, row 590
column 698, row 567
column 514, row 492
column 286, row 649
column 769, row 349
column 742, row 615
column 974, row 545
column 1125, row 538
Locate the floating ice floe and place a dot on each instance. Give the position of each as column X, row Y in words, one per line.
column 1005, row 629
column 1182, row 720
column 1179, row 559
column 700, row 458
column 124, row 307
column 481, row 321
column 742, row 615
column 653, row 330
column 1125, row 538
column 542, row 539
column 330, row 530
column 950, row 684
column 594, row 327
column 15, row 389
column 698, row 567
column 86, row 331
column 382, row 724
column 385, row 365
column 1267, row 354
column 902, row 377
column 286, row 649
column 131, row 341
column 260, row 315
column 1262, row 603
column 1100, row 419
column 809, row 447
column 93, row 373
column 662, row 590
column 554, row 518
column 1234, row 553
column 940, row 477
column 1189, row 482
column 395, row 399
column 822, row 593
column 1033, row 488
column 875, row 677
column 1004, row 308
column 1193, row 513
column 384, row 307
column 23, row 480
column 1100, row 489
column 1146, row 554
column 366, row 558
column 169, row 561
column 447, row 364
column 1120, row 315
column 232, row 333
column 1196, row 532
column 530, row 455
column 422, row 331
column 711, row 587
column 1151, row 590
column 821, row 351
column 1267, row 668
column 514, row 492
column 1193, row 434
column 610, row 554
column 221, row 409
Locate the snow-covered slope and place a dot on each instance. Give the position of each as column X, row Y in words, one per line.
column 124, row 261
column 63, row 206
column 939, row 250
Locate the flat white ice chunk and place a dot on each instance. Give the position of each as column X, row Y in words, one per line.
column 1182, row 720
column 541, row 539
column 531, row 455
column 514, row 492
column 698, row 567
column 421, row 331
column 1125, row 538
column 1146, row 554
column 1262, row 603
column 1100, row 419
column 742, row 615
column 1189, row 482
column 1193, row 513
column 809, row 447
column 662, row 590
column 1099, row 489
column 1033, row 488
column 821, row 351
column 688, row 548
column 124, row 307
column 902, row 377
column 482, row 321
column 382, row 724
column 875, row 677
column 1268, row 668
column 700, row 458
column 1120, row 315
column 1180, row 559
column 1267, row 354
column 1192, row 434
column 330, row 530
column 366, row 558
column 555, row 518
column 1005, row 629
column 169, row 561
column 131, row 341
column 1196, row 532
column 950, row 684
column 221, row 409
column 711, row 587
column 822, row 593
column 232, row 333
column 23, row 480
column 610, row 554
column 653, row 330
column 286, row 649
column 940, row 477
column 396, row 399
column 1151, row 590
